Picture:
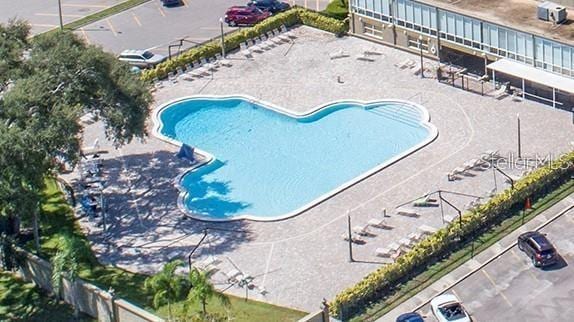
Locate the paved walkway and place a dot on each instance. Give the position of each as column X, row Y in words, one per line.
column 478, row 262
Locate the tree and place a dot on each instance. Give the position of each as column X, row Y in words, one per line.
column 202, row 290
column 167, row 287
column 70, row 252
column 55, row 78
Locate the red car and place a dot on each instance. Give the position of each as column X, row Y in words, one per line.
column 243, row 15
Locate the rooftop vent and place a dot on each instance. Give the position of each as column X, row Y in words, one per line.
column 549, row 11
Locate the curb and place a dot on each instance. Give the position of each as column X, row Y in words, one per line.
column 491, row 259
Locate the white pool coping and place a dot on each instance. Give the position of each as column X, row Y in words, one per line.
column 158, row 125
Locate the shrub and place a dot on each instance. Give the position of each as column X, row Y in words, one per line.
column 338, row 9
column 376, row 284
column 288, row 18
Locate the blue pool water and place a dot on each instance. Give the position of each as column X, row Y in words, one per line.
column 268, row 165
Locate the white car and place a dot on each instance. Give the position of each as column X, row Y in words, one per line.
column 141, row 58
column 447, row 308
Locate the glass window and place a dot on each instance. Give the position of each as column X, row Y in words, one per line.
column 401, row 9
column 386, row 7
column 361, row 3
column 493, row 36
column 520, row 44
column 511, row 41
column 547, row 52
column 539, row 49
column 369, row 5
column 566, row 63
column 432, row 13
column 426, row 16
column 556, row 54
column 501, row 38
column 417, row 14
column 378, row 6
column 450, row 28
column 459, row 26
column 442, row 19
column 476, row 30
column 529, row 46
column 467, row 28
column 486, row 34
column 409, row 9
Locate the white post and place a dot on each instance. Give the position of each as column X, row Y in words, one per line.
column 493, row 78
column 523, row 89
column 554, row 97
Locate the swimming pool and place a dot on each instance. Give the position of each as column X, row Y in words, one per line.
column 268, row 164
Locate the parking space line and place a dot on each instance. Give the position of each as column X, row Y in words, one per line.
column 43, row 25
column 85, row 36
column 56, row 15
column 528, row 267
column 496, row 287
column 136, row 19
column 112, row 27
column 160, row 10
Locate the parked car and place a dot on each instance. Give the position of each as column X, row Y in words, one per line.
column 410, row 317
column 170, row 3
column 538, row 248
column 245, row 15
column 141, row 58
column 447, row 308
column 273, row 6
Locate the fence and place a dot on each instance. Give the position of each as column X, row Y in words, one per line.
column 88, row 298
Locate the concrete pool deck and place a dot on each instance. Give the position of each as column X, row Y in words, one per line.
column 299, row 261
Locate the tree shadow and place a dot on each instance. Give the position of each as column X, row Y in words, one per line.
column 145, row 228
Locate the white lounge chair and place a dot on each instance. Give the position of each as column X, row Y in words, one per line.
column 338, row 54
column 415, row 236
column 271, row 37
column 254, row 47
column 261, row 44
column 364, row 57
column 287, row 32
column 501, row 92
column 223, row 61
column 266, row 41
column 383, row 252
column 450, row 218
column 245, row 50
column 427, row 230
column 354, row 238
column 233, row 275
column 281, row 36
column 405, row 243
column 361, row 230
column 409, row 212
column 378, row 223
column 490, row 155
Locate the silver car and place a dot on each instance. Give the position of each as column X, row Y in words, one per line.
column 141, row 58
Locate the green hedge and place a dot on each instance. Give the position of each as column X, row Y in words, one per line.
column 288, row 18
column 338, row 9
column 379, row 283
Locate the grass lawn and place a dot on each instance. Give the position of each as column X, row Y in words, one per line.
column 57, row 218
column 21, row 301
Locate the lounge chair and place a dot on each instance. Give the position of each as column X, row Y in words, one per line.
column 338, row 54
column 266, row 41
column 354, row 238
column 364, row 57
column 281, row 36
column 361, row 230
column 271, row 37
column 223, row 61
column 208, row 65
column 172, row 77
column 501, row 92
column 378, row 223
column 404, row 63
column 233, row 275
column 427, row 230
column 405, row 243
column 450, row 218
column 383, row 252
column 245, row 50
column 425, row 201
column 254, row 47
column 261, row 44
column 287, row 32
column 409, row 212
column 415, row 236
column 490, row 155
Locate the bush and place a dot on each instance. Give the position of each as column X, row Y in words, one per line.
column 383, row 280
column 288, row 18
column 338, row 9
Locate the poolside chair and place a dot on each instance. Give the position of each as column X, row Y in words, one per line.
column 409, row 212
column 450, row 218
column 383, row 252
column 254, row 47
column 234, row 276
column 244, row 50
column 490, row 155
column 223, row 61
column 405, row 244
column 415, row 236
column 265, row 41
column 261, row 44
column 287, row 32
column 156, row 84
column 280, row 36
column 364, row 57
column 378, row 223
column 427, row 230
column 361, row 230
column 271, row 37
column 354, row 238
column 208, row 65
column 425, row 201
column 502, row 92
column 338, row 54
column 172, row 77
column 407, row 63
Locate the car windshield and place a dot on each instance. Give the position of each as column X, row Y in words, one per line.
column 547, row 252
column 147, row 55
column 452, row 311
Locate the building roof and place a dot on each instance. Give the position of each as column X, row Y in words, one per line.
column 532, row 74
column 517, row 14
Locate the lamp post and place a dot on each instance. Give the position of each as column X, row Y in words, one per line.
column 222, row 38
column 60, row 15
column 421, row 51
column 453, row 207
column 350, row 238
column 518, row 128
column 504, row 174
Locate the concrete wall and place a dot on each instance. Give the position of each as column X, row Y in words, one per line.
column 317, row 316
column 90, row 299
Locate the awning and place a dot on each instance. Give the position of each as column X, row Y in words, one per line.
column 539, row 76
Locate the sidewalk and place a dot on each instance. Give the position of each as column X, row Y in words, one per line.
column 465, row 270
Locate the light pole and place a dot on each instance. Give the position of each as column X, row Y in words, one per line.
column 350, row 238
column 519, row 145
column 421, row 51
column 60, row 15
column 222, row 38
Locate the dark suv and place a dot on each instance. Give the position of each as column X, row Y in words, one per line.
column 538, row 247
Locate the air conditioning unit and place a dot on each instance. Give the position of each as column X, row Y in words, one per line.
column 549, row 11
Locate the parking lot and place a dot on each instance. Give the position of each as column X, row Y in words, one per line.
column 152, row 26
column 43, row 15
column 511, row 289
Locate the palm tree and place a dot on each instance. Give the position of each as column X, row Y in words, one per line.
column 202, row 290
column 166, row 286
column 71, row 250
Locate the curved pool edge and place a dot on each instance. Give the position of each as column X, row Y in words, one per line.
column 158, row 125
